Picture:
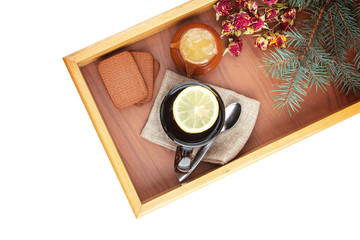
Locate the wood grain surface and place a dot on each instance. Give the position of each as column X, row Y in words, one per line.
column 150, row 166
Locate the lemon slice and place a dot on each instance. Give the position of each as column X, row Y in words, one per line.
column 195, row 109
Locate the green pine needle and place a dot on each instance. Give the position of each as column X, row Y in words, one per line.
column 317, row 53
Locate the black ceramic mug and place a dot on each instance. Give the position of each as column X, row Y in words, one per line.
column 188, row 141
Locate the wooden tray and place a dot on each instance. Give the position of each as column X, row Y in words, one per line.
column 145, row 170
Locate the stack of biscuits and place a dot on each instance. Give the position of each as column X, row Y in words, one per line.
column 129, row 77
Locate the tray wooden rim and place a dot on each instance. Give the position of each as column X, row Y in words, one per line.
column 89, row 54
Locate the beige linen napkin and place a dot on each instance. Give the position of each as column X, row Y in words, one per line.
column 227, row 144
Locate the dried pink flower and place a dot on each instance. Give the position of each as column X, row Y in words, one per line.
column 227, row 28
column 276, row 39
column 280, row 41
column 241, row 21
column 261, row 43
column 234, row 47
column 271, row 37
column 223, row 8
column 251, row 6
column 270, row 2
column 240, row 4
column 289, row 14
column 257, row 24
column 270, row 14
column 288, row 18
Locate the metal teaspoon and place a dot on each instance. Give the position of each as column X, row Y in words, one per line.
column 232, row 115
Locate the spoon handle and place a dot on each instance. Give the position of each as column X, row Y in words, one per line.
column 199, row 156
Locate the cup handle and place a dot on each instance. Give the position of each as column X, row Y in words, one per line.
column 182, row 159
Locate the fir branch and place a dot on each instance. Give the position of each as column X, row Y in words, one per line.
column 356, row 61
column 314, row 29
column 346, row 78
column 291, row 90
column 345, row 75
column 333, row 36
column 317, row 76
column 296, row 39
column 277, row 62
column 318, row 53
column 287, row 65
column 356, row 10
column 301, row 4
column 350, row 24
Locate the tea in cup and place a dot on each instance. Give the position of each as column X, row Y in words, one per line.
column 191, row 114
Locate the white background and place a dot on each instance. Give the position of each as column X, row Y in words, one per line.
column 56, row 181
